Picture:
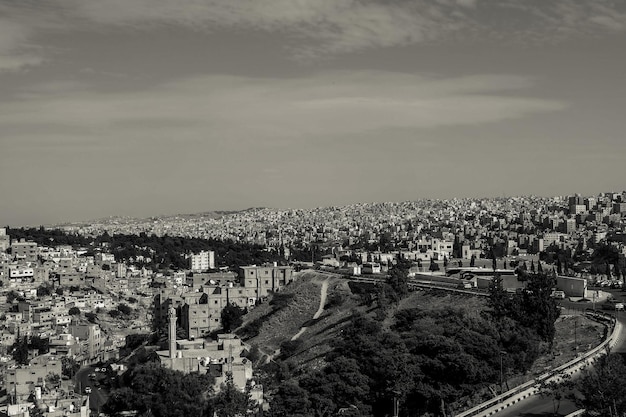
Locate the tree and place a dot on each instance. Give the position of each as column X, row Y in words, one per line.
column 91, row 317
column 53, row 379
column 74, row 311
column 557, row 390
column 398, row 279
column 232, row 317
column 69, row 366
column 40, row 344
column 602, row 387
column 20, row 351
column 231, row 401
column 434, row 266
column 43, row 291
column 498, row 299
column 12, row 296
column 473, row 261
column 124, row 309
column 160, row 392
column 290, row 400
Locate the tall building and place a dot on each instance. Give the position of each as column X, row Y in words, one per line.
column 90, row 338
column 5, row 240
column 203, row 261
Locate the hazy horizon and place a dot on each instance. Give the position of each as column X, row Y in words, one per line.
column 145, row 107
column 141, row 216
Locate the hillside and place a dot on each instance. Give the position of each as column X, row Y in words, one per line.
column 280, row 325
column 442, row 320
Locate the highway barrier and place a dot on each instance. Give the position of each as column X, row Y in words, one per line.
column 530, row 388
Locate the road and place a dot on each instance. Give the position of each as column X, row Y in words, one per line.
column 97, row 397
column 537, row 406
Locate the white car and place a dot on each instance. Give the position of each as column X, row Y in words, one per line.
column 559, row 295
column 87, row 390
column 619, row 306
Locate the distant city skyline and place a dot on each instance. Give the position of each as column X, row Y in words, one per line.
column 147, row 107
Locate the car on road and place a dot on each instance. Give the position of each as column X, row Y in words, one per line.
column 87, row 390
column 559, row 295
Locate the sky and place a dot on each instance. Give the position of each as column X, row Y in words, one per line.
column 149, row 107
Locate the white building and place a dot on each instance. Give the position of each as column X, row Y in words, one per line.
column 202, row 261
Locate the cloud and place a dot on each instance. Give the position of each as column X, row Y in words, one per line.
column 245, row 110
column 467, row 3
column 315, row 28
column 12, row 35
column 610, row 22
column 20, row 22
column 320, row 27
column 13, row 63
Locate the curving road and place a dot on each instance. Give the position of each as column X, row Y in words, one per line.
column 536, row 406
column 320, row 310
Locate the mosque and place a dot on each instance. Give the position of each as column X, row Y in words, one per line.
column 218, row 358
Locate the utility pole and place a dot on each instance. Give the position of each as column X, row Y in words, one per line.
column 396, row 408
column 576, row 333
column 500, row 372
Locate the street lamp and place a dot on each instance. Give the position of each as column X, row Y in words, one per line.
column 502, row 353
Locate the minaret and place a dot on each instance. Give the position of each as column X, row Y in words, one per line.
column 171, row 315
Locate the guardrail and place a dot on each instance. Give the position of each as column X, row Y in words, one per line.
column 530, row 388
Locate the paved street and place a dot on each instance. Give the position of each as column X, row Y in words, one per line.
column 538, row 406
column 98, row 396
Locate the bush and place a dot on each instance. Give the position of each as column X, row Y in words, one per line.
column 91, row 317
column 281, row 300
column 124, row 309
column 115, row 313
column 289, row 347
column 251, row 329
column 335, row 300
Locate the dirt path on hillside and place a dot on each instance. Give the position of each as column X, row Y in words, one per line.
column 320, row 310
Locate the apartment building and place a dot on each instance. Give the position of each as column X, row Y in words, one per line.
column 24, row 250
column 265, row 279
column 203, row 261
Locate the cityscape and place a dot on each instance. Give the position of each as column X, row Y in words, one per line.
column 80, row 304
column 312, row 208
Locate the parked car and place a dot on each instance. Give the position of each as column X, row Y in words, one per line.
column 87, row 390
column 559, row 295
